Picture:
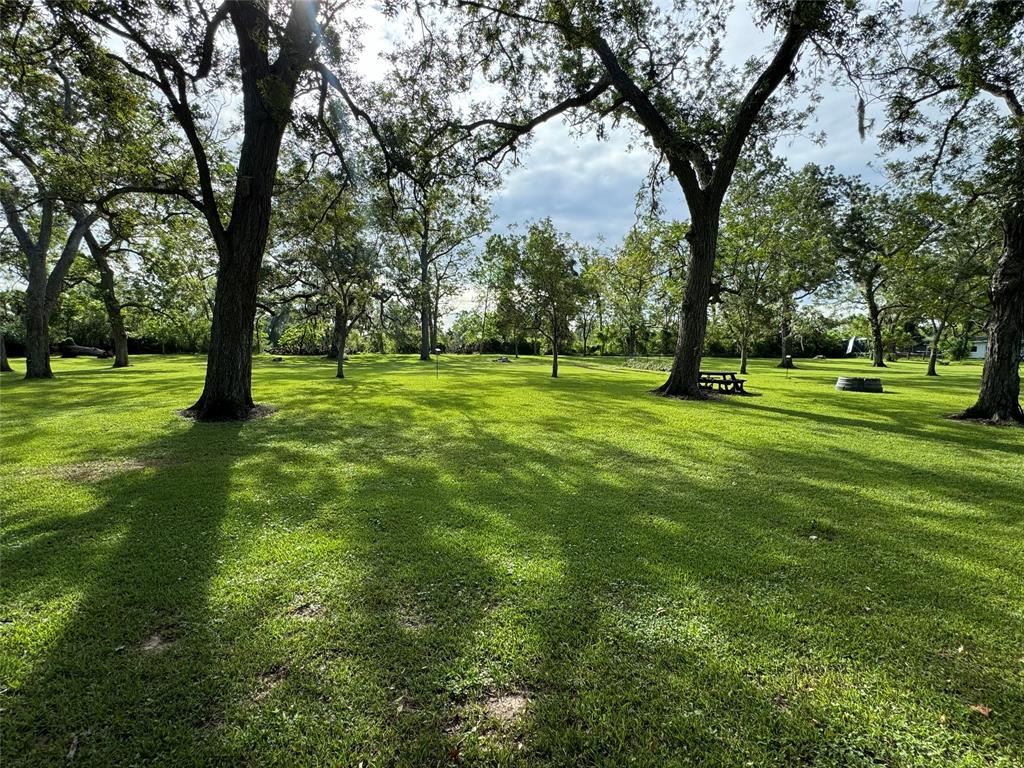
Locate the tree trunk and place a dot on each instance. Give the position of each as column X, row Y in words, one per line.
column 340, row 337
column 554, row 353
column 425, row 347
column 227, row 392
column 875, row 319
column 785, row 329
column 335, row 345
column 435, row 311
column 37, row 338
column 381, row 318
column 109, row 296
column 933, row 353
column 684, row 378
column 5, row 367
column 743, row 357
column 267, row 94
column 999, row 396
column 483, row 324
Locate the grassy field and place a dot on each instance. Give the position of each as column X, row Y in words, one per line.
column 493, row 567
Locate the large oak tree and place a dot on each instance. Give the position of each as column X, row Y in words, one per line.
column 953, row 81
column 273, row 52
column 660, row 69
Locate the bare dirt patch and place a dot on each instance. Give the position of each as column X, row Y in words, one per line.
column 158, row 642
column 100, row 469
column 268, row 681
column 412, row 620
column 307, row 609
column 506, row 708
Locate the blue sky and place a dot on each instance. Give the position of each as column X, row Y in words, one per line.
column 588, row 187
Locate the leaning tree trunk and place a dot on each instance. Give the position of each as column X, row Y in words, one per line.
column 684, row 378
column 999, row 397
column 5, row 367
column 933, row 353
column 112, row 305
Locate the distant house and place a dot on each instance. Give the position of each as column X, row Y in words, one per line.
column 976, row 347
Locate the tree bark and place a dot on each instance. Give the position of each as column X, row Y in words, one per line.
column 554, row 351
column 268, row 89
column 933, row 353
column 37, row 337
column 785, row 361
column 683, row 380
column 108, row 294
column 999, row 395
column 875, row 320
column 743, row 357
column 340, row 336
column 42, row 293
column 483, row 323
column 5, row 367
column 227, row 392
column 425, row 347
column 435, row 311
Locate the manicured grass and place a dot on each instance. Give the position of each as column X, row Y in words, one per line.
column 494, row 567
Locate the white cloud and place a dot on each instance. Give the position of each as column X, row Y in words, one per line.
column 589, row 187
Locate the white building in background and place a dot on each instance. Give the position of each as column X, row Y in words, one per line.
column 977, row 347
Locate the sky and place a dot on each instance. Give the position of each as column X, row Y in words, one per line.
column 589, row 187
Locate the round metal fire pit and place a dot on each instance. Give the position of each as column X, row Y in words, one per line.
column 858, row 384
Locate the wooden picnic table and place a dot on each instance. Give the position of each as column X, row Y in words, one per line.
column 723, row 381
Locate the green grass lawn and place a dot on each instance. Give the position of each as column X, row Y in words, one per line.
column 494, row 567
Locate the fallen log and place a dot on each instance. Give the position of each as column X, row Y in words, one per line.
column 68, row 348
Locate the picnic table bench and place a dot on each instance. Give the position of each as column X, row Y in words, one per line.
column 723, row 381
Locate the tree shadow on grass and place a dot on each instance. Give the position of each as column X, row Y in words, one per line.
column 663, row 611
column 359, row 584
column 133, row 641
column 711, row 622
